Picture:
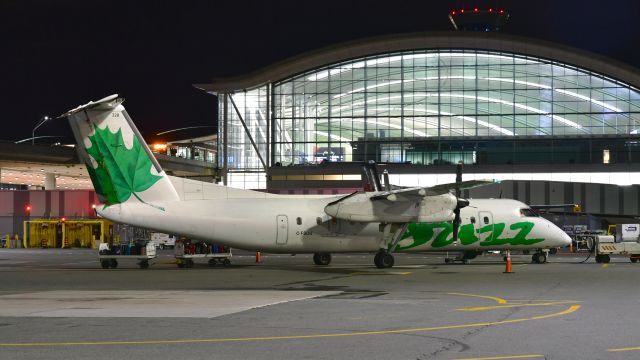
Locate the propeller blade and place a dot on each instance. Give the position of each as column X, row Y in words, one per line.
column 387, row 184
column 456, row 224
column 458, row 178
column 460, row 202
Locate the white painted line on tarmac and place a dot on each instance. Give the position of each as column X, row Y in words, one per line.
column 153, row 304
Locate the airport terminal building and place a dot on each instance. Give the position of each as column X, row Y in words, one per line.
column 509, row 107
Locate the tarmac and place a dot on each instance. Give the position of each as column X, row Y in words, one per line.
column 60, row 304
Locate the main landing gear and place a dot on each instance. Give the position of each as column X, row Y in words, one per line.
column 392, row 232
column 383, row 260
column 322, row 259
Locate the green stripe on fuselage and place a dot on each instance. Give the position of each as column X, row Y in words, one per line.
column 441, row 235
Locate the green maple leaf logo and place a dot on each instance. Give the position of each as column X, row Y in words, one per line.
column 121, row 172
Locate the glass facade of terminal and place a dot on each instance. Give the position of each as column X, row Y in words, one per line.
column 433, row 107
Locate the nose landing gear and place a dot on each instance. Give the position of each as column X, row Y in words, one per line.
column 539, row 257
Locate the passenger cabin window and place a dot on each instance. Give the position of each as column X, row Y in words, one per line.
column 528, row 212
column 486, row 219
column 299, row 221
column 473, row 219
column 319, row 220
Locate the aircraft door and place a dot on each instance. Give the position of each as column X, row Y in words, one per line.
column 282, row 230
column 484, row 224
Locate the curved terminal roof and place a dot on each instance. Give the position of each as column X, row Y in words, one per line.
column 383, row 98
column 428, row 40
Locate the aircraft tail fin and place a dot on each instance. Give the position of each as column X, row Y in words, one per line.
column 120, row 164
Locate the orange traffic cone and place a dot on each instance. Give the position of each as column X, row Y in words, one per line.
column 508, row 269
column 258, row 257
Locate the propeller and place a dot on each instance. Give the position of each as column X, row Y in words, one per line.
column 387, row 184
column 460, row 202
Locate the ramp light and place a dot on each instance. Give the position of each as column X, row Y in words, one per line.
column 159, row 147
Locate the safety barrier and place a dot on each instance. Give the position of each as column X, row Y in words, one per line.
column 65, row 233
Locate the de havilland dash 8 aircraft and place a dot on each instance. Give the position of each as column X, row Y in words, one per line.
column 135, row 190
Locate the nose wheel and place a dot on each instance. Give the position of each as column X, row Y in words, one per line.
column 539, row 258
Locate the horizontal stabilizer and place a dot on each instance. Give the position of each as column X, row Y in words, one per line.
column 106, row 103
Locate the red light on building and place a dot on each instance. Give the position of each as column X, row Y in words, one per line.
column 27, row 208
column 475, row 9
column 462, row 11
column 490, row 9
column 453, row 12
column 501, row 11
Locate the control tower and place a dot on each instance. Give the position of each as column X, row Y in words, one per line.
column 478, row 19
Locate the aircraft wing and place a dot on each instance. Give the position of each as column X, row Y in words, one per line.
column 552, row 206
column 415, row 204
column 415, row 193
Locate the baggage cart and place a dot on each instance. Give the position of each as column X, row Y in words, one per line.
column 142, row 252
column 186, row 252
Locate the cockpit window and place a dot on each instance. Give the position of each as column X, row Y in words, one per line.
column 528, row 212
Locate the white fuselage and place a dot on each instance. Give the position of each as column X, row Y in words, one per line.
column 298, row 224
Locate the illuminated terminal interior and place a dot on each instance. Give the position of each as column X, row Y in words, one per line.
column 431, row 107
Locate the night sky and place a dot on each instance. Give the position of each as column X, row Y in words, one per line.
column 59, row 54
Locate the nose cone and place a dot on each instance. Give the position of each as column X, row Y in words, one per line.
column 564, row 238
column 560, row 238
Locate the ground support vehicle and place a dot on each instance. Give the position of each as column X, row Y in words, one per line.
column 606, row 247
column 186, row 253
column 143, row 252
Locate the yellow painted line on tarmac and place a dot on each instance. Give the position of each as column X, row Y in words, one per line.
column 605, row 265
column 494, row 298
column 543, row 300
column 569, row 310
column 637, row 348
column 483, row 308
column 505, row 357
column 381, row 273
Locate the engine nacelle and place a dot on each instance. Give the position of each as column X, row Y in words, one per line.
column 359, row 207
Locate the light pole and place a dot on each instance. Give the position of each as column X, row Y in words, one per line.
column 33, row 133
